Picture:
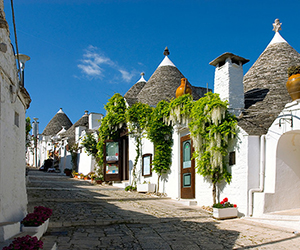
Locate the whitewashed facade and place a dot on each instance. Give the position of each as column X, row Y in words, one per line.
column 14, row 100
column 265, row 171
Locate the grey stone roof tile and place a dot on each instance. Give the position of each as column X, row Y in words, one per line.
column 265, row 88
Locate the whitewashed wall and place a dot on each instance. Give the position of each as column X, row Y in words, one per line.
column 13, row 196
column 229, row 85
column 282, row 183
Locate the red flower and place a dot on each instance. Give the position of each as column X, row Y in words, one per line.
column 225, row 199
column 234, row 205
column 222, row 202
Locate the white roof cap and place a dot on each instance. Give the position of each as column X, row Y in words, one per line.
column 277, row 39
column 166, row 62
column 142, row 79
column 60, row 111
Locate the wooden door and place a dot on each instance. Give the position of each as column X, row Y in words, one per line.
column 116, row 159
column 187, row 168
column 112, row 161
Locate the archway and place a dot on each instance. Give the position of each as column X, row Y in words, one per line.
column 287, row 184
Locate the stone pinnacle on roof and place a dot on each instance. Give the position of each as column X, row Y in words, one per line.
column 166, row 51
column 277, row 37
column 277, row 25
column 166, row 61
column 142, row 79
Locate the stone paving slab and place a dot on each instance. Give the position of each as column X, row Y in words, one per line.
column 87, row 216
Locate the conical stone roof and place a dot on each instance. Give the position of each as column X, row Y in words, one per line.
column 131, row 94
column 56, row 123
column 265, row 86
column 70, row 133
column 163, row 83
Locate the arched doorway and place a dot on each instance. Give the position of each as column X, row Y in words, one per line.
column 287, row 182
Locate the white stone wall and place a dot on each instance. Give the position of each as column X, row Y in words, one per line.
column 282, row 183
column 13, row 196
column 95, row 120
column 229, row 85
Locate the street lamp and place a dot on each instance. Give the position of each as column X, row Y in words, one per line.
column 22, row 60
column 35, row 130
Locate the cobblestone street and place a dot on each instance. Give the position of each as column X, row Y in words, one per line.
column 87, row 216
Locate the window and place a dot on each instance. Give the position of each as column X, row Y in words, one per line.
column 186, row 154
column 146, row 165
column 232, row 158
column 17, row 119
column 112, row 151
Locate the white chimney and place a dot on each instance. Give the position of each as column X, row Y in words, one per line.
column 229, row 80
column 95, row 120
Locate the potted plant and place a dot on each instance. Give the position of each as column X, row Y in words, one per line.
column 98, row 180
column 37, row 221
column 26, row 242
column 224, row 210
column 68, row 171
column 146, row 187
column 75, row 174
column 293, row 82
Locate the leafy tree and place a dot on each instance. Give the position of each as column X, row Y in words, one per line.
column 28, row 128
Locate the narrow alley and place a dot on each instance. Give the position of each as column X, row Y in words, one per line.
column 87, row 216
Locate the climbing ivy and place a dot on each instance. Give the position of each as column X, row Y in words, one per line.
column 112, row 124
column 211, row 126
column 160, row 134
column 137, row 117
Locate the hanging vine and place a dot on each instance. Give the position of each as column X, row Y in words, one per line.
column 211, row 126
column 137, row 117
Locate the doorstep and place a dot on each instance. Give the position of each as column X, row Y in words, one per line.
column 188, row 202
column 120, row 184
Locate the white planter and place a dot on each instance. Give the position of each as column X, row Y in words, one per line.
column 144, row 188
column 37, row 231
column 225, row 213
column 34, row 231
column 46, row 225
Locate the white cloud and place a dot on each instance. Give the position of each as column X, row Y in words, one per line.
column 95, row 65
column 126, row 75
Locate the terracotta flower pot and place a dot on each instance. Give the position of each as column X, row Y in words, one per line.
column 184, row 88
column 293, row 86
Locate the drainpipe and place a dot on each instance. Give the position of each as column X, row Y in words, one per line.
column 261, row 174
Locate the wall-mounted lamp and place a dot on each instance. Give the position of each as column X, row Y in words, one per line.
column 23, row 59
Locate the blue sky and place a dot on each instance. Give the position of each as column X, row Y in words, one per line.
column 84, row 51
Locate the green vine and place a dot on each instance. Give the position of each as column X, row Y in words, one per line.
column 112, row 124
column 211, row 126
column 73, row 150
column 28, row 128
column 137, row 117
column 160, row 134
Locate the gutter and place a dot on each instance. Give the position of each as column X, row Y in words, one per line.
column 261, row 174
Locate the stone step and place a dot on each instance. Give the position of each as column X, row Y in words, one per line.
column 188, row 202
column 121, row 184
column 8, row 230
